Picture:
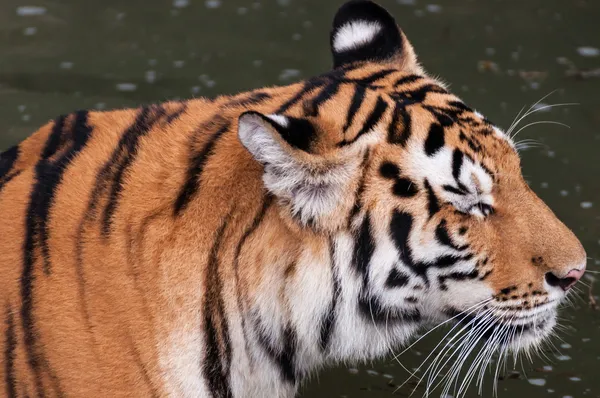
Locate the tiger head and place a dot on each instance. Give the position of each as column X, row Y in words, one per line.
column 421, row 196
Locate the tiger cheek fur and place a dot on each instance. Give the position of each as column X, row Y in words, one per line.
column 230, row 247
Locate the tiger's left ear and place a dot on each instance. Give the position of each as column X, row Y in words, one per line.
column 365, row 32
column 313, row 186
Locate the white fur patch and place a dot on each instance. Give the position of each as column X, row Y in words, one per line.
column 279, row 119
column 355, row 34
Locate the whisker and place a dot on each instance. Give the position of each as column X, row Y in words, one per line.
column 541, row 122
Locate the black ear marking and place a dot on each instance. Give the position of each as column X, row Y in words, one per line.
column 298, row 133
column 364, row 31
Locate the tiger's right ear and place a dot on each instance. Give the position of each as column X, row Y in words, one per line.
column 365, row 32
column 313, row 186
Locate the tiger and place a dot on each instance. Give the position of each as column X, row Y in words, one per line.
column 234, row 246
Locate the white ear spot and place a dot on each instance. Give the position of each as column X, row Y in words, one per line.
column 279, row 119
column 355, row 34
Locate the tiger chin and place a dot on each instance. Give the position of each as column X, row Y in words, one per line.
column 229, row 247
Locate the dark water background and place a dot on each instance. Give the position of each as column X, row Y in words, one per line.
column 57, row 56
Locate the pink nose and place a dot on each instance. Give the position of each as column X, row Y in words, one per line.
column 567, row 281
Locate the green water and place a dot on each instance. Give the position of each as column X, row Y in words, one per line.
column 74, row 54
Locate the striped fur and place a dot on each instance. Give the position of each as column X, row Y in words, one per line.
column 231, row 247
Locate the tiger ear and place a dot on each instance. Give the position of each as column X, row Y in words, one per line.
column 365, row 32
column 311, row 185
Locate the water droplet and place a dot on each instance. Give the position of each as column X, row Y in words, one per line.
column 30, row 31
column 21, row 108
column 407, row 2
column 372, row 372
column 353, row 371
column 288, row 74
column 537, row 382
column 181, row 3
column 126, row 87
column 178, row 64
column 434, row 8
column 586, row 205
column 212, row 3
column 565, row 346
column 66, row 65
column 563, row 357
column 150, row 76
column 587, row 51
column 28, row 11
column 242, row 10
column 575, row 378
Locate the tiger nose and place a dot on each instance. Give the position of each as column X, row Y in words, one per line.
column 567, row 281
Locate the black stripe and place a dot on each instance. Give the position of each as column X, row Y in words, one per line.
column 258, row 218
column 8, row 178
column 394, row 135
column 374, row 311
column 357, row 100
column 7, row 161
column 309, row 85
column 433, row 206
column 454, row 190
column 10, row 345
column 374, row 118
column 217, row 362
column 375, row 76
column 457, row 276
column 284, row 357
column 364, row 248
column 443, row 237
column 457, row 162
column 407, row 79
column 142, row 367
column 418, row 95
column 312, row 108
column 48, row 174
column 435, row 139
column 405, row 188
column 360, row 190
column 328, row 321
column 400, row 227
column 253, row 98
column 123, row 157
column 396, row 279
column 176, row 113
column 197, row 163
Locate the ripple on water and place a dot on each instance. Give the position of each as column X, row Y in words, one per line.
column 29, row 11
column 181, row 3
column 537, row 382
column 587, row 51
column 212, row 3
column 126, row 87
